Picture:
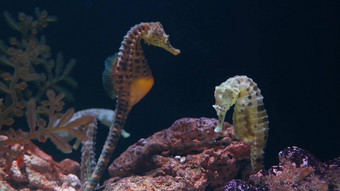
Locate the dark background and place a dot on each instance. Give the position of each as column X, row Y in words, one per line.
column 289, row 48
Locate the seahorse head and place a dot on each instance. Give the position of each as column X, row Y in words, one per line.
column 157, row 37
column 225, row 97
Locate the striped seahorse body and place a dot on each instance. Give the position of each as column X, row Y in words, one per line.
column 250, row 119
column 128, row 77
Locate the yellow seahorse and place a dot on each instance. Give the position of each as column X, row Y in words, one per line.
column 128, row 77
column 250, row 119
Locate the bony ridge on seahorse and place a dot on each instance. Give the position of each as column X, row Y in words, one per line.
column 128, row 77
column 250, row 120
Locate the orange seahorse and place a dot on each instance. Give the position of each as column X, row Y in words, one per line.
column 250, row 119
column 128, row 77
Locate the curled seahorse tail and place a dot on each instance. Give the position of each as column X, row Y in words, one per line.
column 256, row 157
column 88, row 162
column 257, row 146
column 109, row 147
column 260, row 134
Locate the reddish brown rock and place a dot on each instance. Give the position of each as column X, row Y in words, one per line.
column 29, row 168
column 187, row 156
column 70, row 166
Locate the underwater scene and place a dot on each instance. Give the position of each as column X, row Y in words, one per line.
column 169, row 95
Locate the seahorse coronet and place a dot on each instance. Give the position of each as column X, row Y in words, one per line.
column 157, row 37
column 250, row 120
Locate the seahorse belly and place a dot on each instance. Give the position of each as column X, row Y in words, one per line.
column 139, row 88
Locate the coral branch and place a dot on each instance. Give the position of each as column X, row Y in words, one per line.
column 30, row 69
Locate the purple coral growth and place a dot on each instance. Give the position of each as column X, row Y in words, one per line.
column 298, row 169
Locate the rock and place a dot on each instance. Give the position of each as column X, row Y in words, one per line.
column 135, row 183
column 70, row 166
column 298, row 169
column 187, row 156
column 29, row 168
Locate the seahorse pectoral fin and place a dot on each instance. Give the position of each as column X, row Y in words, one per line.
column 139, row 88
column 107, row 76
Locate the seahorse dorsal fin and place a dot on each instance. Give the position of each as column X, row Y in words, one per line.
column 108, row 77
